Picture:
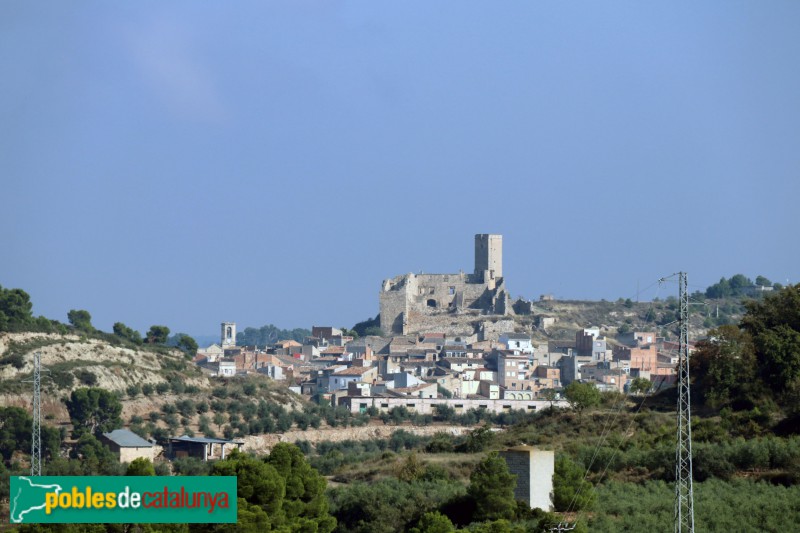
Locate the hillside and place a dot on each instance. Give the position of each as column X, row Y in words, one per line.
column 161, row 391
column 560, row 319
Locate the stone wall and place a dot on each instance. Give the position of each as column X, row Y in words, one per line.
column 264, row 443
column 128, row 454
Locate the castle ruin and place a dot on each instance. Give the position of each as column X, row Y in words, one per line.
column 409, row 301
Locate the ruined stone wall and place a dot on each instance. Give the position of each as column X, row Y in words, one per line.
column 392, row 309
column 490, row 330
column 443, row 290
column 407, row 301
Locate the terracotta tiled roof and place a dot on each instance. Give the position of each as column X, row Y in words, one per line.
column 354, row 371
column 330, row 350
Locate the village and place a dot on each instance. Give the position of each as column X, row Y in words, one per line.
column 448, row 339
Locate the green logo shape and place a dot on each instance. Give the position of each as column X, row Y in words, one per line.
column 123, row 499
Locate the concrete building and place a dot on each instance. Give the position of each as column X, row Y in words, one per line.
column 227, row 369
column 273, row 371
column 589, row 343
column 341, row 379
column 642, row 357
column 407, row 301
column 517, row 342
column 424, row 406
column 128, row 445
column 512, row 371
column 534, row 469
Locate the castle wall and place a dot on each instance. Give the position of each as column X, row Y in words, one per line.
column 407, row 301
column 393, row 309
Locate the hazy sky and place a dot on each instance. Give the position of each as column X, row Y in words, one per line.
column 186, row 163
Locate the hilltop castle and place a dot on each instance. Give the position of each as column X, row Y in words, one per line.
column 408, row 301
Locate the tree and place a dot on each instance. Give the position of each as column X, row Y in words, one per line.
column 491, row 486
column 774, row 324
column 434, row 522
column 761, row 281
column 257, row 482
column 306, row 505
column 550, row 395
column 719, row 290
column 411, row 469
column 571, row 491
column 141, row 466
column 739, row 283
column 349, row 332
column 123, row 331
column 478, row 439
column 187, row 344
column 219, row 419
column 269, row 334
column 724, row 366
column 15, row 431
column 640, row 386
column 15, row 309
column 80, row 319
column 93, row 410
column 283, row 486
column 581, row 396
column 157, row 335
column 96, row 458
column 369, row 327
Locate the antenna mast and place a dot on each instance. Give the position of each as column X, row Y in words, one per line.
column 36, row 435
column 684, row 493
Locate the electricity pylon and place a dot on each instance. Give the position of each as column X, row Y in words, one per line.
column 684, row 493
column 36, row 435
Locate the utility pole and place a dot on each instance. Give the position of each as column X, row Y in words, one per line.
column 684, row 493
column 36, row 436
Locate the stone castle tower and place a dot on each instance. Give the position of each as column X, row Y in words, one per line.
column 228, row 337
column 412, row 302
column 488, row 256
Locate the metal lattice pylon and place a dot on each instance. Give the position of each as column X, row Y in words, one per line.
column 36, row 433
column 684, row 493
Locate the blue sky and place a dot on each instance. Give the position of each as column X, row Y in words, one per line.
column 272, row 162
